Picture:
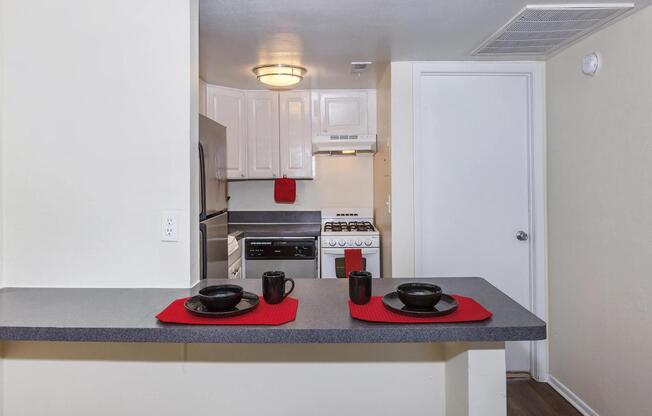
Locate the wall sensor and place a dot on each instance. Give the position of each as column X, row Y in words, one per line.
column 591, row 64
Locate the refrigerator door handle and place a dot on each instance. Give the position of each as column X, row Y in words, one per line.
column 203, row 247
column 202, row 183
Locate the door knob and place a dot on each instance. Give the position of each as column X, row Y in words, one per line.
column 522, row 236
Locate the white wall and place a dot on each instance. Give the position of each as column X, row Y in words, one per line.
column 340, row 181
column 2, row 107
column 382, row 171
column 99, row 133
column 2, row 37
column 64, row 379
column 600, row 221
column 193, row 142
column 402, row 182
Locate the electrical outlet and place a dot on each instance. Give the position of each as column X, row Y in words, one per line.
column 169, row 231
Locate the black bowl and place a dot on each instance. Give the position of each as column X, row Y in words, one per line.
column 220, row 297
column 419, row 295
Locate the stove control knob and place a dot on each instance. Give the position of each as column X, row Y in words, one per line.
column 367, row 242
column 342, row 243
column 358, row 242
column 332, row 243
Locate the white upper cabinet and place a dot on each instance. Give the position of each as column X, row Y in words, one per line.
column 262, row 134
column 344, row 112
column 295, row 134
column 270, row 134
column 227, row 106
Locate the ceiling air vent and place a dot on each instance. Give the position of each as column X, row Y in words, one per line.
column 359, row 67
column 539, row 30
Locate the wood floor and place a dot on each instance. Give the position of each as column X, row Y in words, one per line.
column 529, row 398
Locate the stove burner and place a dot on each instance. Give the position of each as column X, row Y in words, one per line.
column 340, row 226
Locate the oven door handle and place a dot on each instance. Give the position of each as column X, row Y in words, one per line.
column 340, row 251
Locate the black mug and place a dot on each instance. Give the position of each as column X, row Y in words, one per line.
column 360, row 287
column 274, row 287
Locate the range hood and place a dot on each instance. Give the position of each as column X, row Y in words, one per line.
column 344, row 144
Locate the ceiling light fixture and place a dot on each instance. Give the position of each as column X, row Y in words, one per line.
column 279, row 75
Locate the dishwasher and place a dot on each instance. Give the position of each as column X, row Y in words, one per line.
column 296, row 257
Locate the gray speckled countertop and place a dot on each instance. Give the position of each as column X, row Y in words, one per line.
column 128, row 315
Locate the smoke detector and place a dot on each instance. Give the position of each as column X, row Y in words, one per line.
column 591, row 64
column 539, row 30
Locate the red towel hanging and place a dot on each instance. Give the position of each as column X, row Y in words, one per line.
column 285, row 190
column 352, row 260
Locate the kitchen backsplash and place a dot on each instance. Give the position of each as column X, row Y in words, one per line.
column 340, row 181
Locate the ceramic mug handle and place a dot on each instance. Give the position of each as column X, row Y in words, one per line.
column 291, row 287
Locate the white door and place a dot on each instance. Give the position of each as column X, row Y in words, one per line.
column 227, row 107
column 295, row 134
column 263, row 134
column 471, row 183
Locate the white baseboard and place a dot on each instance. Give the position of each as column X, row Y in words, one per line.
column 572, row 398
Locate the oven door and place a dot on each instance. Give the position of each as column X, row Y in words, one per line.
column 332, row 262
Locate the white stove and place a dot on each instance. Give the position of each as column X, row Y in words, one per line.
column 348, row 228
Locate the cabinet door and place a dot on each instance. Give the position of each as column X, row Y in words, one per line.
column 262, row 134
column 343, row 112
column 295, row 134
column 227, row 107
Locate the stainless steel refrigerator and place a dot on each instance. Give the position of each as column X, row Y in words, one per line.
column 213, row 222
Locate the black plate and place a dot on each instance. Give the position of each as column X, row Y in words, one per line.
column 248, row 303
column 446, row 305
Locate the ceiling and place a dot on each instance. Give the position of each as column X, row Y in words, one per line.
column 325, row 36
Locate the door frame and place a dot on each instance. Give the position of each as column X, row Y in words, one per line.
column 534, row 72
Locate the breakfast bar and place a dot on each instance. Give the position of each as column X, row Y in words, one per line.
column 91, row 338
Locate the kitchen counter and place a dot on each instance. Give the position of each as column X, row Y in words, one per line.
column 128, row 315
column 275, row 230
column 247, row 224
column 137, row 365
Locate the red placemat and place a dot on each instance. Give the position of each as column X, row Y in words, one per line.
column 264, row 314
column 468, row 311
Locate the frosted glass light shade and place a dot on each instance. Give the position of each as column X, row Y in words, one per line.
column 279, row 75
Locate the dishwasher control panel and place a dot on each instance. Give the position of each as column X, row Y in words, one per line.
column 259, row 249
